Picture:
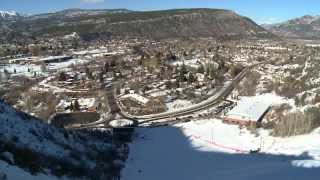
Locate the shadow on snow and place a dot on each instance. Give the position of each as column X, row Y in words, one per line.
column 166, row 153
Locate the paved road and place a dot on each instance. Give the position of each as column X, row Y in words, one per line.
column 210, row 102
column 218, row 97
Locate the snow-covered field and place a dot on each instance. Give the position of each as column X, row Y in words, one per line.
column 271, row 99
column 27, row 70
column 30, row 69
column 84, row 103
column 209, row 149
column 191, row 62
column 66, row 64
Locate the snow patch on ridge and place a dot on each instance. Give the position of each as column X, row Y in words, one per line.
column 8, row 13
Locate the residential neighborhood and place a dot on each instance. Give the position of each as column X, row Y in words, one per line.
column 147, row 94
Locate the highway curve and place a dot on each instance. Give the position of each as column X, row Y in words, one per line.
column 224, row 92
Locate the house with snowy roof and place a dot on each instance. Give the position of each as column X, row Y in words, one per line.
column 247, row 112
column 136, row 97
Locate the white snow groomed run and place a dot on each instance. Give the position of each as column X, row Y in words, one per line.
column 15, row 173
column 209, row 149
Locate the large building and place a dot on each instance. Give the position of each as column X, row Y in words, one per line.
column 136, row 97
column 247, row 112
column 54, row 59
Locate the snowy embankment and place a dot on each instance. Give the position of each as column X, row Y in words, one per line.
column 177, row 105
column 209, row 149
column 272, row 99
column 33, row 146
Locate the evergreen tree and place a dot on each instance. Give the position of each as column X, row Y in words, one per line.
column 106, row 67
column 62, row 76
column 182, row 73
column 201, row 69
column 101, row 79
column 89, row 73
column 76, row 105
column 191, row 78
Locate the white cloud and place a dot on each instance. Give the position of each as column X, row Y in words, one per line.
column 92, row 1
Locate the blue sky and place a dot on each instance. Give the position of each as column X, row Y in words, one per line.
column 261, row 11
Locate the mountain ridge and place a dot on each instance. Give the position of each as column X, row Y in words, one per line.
column 304, row 27
column 160, row 24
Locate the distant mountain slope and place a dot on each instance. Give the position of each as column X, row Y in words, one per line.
column 72, row 13
column 306, row 27
column 95, row 24
column 6, row 19
column 36, row 147
column 8, row 14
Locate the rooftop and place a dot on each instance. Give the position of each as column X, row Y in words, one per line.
column 249, row 110
column 137, row 97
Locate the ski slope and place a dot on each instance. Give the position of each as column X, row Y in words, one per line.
column 15, row 173
column 209, row 149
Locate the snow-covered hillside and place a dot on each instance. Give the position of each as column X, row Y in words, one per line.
column 40, row 148
column 209, row 149
column 6, row 14
column 16, row 173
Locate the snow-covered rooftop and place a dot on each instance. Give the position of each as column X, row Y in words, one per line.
column 121, row 123
column 33, row 58
column 137, row 97
column 249, row 110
